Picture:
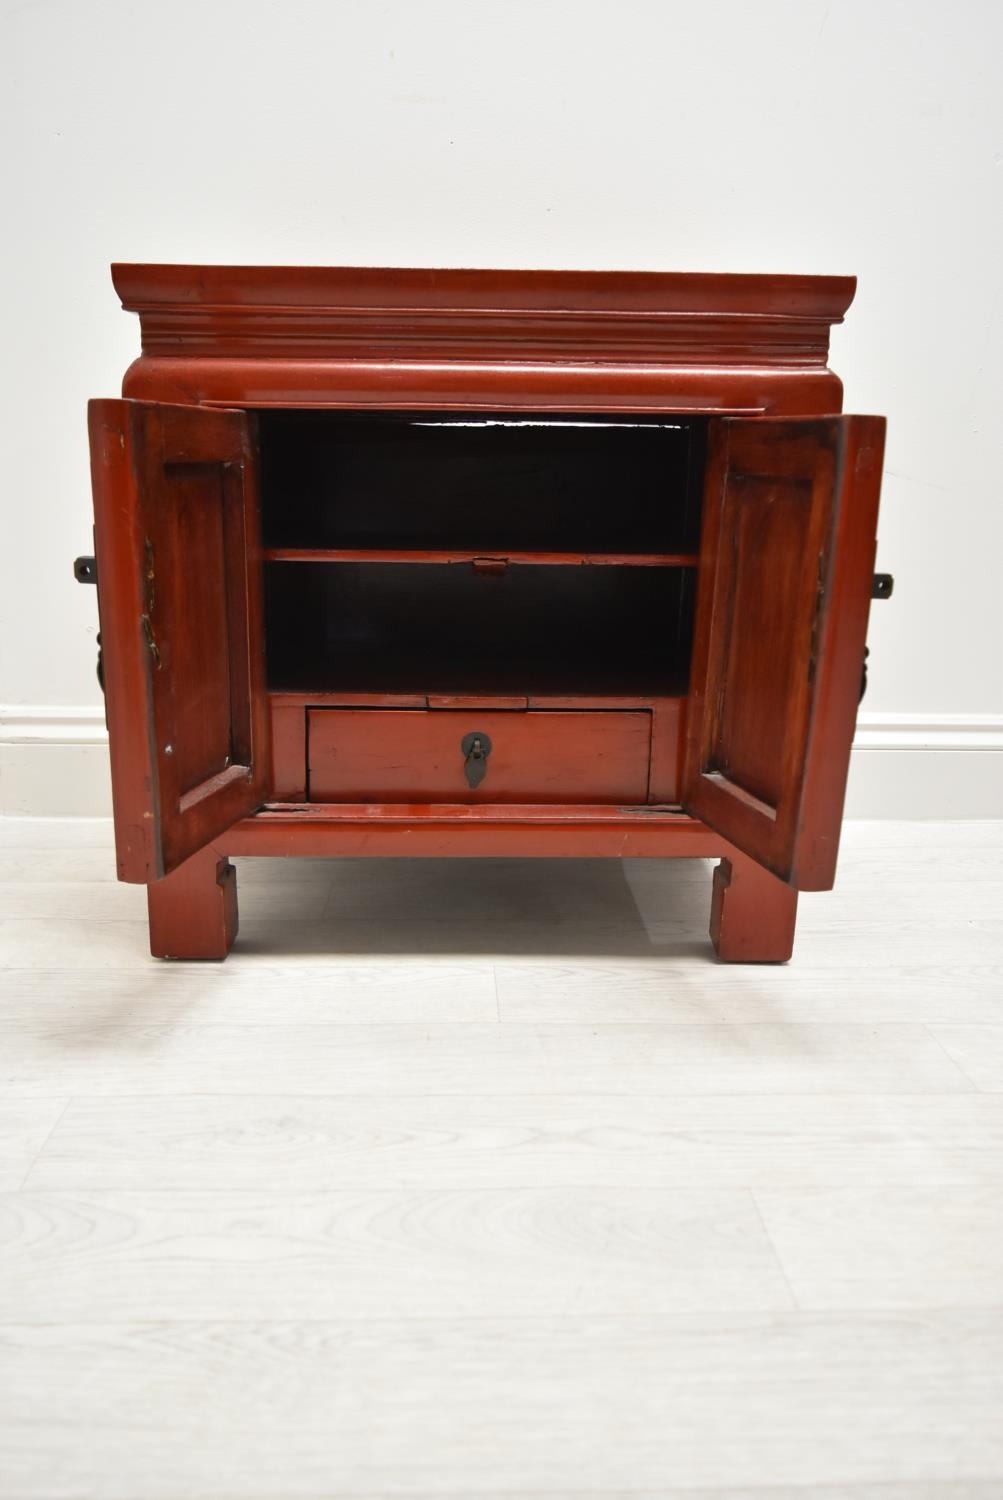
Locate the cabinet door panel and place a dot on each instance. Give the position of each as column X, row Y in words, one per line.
column 790, row 511
column 176, row 529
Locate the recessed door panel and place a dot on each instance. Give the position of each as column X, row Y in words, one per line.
column 176, row 529
column 790, row 511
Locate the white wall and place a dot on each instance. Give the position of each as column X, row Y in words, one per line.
column 786, row 135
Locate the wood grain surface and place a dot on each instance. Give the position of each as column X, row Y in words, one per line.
column 484, row 1179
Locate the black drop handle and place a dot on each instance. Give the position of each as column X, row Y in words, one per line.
column 85, row 570
column 881, row 588
column 475, row 748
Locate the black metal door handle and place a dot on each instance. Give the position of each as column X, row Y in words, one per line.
column 881, row 588
column 475, row 748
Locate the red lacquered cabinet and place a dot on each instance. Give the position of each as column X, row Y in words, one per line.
column 417, row 562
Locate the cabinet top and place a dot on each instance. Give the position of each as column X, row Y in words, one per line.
column 288, row 334
column 474, row 290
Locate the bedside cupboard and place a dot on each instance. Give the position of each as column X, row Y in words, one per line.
column 466, row 563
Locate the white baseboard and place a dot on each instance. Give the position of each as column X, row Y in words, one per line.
column 54, row 763
column 927, row 766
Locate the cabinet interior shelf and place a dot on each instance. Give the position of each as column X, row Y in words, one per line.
column 488, row 556
column 501, row 555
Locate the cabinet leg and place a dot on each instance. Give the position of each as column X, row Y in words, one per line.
column 193, row 911
column 752, row 914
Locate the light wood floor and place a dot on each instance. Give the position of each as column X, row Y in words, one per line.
column 483, row 1179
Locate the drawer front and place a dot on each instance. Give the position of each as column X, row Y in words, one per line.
column 416, row 755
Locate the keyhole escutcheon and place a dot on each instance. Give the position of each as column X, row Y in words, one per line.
column 475, row 748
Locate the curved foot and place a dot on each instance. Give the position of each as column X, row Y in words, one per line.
column 193, row 912
column 752, row 914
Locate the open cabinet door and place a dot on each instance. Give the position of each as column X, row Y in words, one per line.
column 179, row 591
column 786, row 561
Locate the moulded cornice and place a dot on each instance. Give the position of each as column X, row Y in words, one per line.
column 681, row 320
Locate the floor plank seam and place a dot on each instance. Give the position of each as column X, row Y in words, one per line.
column 931, row 1028
column 48, row 1138
column 694, row 1319
column 806, row 1093
column 622, row 1234
column 778, row 1258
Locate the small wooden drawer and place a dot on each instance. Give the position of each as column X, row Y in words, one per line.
column 419, row 755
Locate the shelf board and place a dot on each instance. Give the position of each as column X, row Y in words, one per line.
column 438, row 677
column 325, row 697
column 499, row 555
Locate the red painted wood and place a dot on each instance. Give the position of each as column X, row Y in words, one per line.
column 469, row 815
column 789, row 525
column 288, row 725
column 530, row 342
column 302, row 311
column 496, row 701
column 437, row 831
column 542, row 340
column 193, row 911
column 478, row 386
column 668, row 728
column 469, row 290
column 176, row 515
column 514, row 702
column 840, row 646
column 753, row 914
column 371, row 755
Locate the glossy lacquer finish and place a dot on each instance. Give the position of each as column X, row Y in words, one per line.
column 479, row 756
column 544, row 340
column 175, row 512
column 789, row 535
column 744, row 715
